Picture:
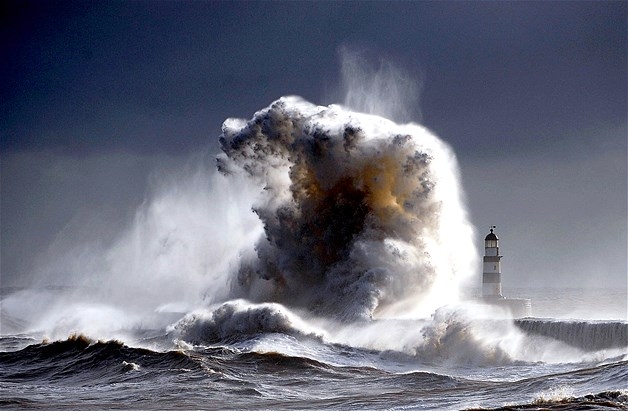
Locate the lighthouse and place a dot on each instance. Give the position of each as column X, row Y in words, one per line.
column 492, row 281
column 492, row 273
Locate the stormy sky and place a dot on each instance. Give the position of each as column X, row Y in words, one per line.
column 532, row 96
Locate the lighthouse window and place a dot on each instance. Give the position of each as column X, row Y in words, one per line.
column 494, row 267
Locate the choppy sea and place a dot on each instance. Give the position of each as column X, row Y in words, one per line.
column 241, row 355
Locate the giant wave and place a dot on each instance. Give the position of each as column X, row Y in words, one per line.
column 362, row 216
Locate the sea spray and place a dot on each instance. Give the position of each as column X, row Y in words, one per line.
column 362, row 216
column 374, row 85
column 175, row 254
column 355, row 217
column 454, row 335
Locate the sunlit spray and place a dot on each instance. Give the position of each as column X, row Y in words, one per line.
column 362, row 217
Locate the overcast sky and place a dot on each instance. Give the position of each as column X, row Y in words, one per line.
column 532, row 96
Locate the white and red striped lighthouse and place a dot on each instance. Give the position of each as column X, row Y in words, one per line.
column 492, row 273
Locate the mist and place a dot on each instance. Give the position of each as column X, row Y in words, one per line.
column 375, row 84
column 168, row 253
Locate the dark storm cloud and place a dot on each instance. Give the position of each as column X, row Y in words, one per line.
column 526, row 74
column 136, row 75
column 162, row 76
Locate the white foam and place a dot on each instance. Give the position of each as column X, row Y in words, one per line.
column 239, row 320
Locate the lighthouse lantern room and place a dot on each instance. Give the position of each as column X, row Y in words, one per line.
column 492, row 273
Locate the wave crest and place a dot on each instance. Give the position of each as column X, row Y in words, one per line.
column 238, row 320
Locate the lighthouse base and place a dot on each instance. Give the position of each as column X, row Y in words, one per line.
column 518, row 307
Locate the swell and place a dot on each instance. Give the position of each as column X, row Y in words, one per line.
column 605, row 400
column 596, row 387
column 272, row 380
column 601, row 375
column 80, row 360
column 274, row 360
column 587, row 335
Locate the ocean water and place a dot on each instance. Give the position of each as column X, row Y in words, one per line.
column 326, row 265
column 449, row 361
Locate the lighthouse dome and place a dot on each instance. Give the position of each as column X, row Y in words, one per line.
column 491, row 236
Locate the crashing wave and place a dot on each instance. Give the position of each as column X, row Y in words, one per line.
column 238, row 320
column 361, row 215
